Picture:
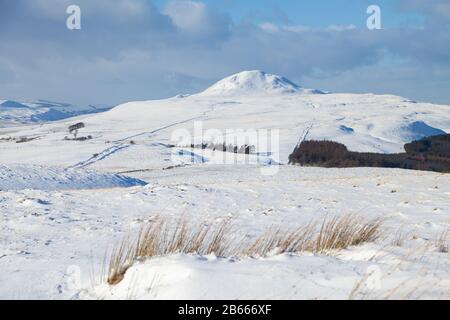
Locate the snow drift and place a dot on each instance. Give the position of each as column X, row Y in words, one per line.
column 20, row 177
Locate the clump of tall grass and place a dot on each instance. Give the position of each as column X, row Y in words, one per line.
column 160, row 239
column 331, row 234
column 164, row 238
column 442, row 242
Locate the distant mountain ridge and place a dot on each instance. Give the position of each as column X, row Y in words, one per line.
column 24, row 112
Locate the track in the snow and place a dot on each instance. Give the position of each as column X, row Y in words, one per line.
column 124, row 143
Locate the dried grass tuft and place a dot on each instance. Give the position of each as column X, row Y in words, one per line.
column 442, row 242
column 163, row 238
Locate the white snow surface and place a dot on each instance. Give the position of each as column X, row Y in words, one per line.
column 252, row 83
column 48, row 238
column 284, row 277
column 19, row 177
column 63, row 205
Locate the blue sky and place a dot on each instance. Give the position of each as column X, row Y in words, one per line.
column 144, row 49
column 320, row 13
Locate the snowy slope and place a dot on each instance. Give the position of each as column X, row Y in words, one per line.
column 19, row 177
column 53, row 243
column 22, row 112
column 286, row 277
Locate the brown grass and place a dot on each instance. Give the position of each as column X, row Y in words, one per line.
column 442, row 242
column 163, row 238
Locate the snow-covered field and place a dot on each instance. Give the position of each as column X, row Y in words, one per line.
column 65, row 204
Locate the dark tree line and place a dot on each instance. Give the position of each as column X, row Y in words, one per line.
column 431, row 154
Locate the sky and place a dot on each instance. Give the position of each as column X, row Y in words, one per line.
column 130, row 50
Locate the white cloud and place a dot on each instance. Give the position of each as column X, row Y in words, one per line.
column 197, row 19
column 334, row 27
column 188, row 15
column 297, row 28
column 273, row 28
column 188, row 45
column 269, row 27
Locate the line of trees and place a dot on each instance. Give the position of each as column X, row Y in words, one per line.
column 431, row 154
column 243, row 149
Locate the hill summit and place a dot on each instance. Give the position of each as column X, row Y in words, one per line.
column 252, row 83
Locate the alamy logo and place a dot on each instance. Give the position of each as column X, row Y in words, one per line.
column 73, row 22
column 374, row 20
column 230, row 146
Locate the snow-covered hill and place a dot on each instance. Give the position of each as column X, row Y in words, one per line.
column 254, row 83
column 363, row 122
column 22, row 112
column 251, row 83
